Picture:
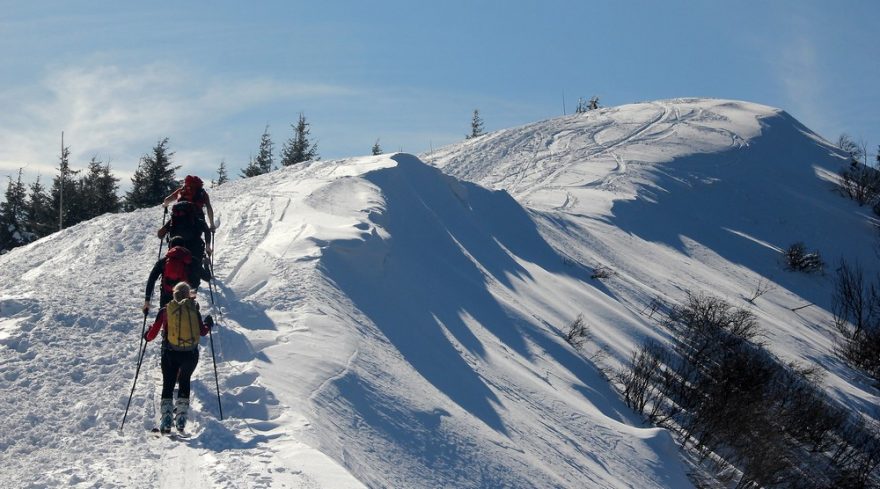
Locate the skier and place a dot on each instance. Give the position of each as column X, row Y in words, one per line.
column 193, row 191
column 181, row 324
column 178, row 265
column 188, row 223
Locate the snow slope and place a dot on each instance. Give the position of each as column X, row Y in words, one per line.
column 385, row 324
column 689, row 195
column 381, row 324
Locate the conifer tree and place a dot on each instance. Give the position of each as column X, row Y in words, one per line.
column 476, row 126
column 298, row 148
column 66, row 198
column 154, row 178
column 377, row 150
column 99, row 188
column 264, row 159
column 252, row 169
column 41, row 220
column 13, row 216
column 222, row 177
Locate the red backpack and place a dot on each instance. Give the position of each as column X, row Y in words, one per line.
column 177, row 262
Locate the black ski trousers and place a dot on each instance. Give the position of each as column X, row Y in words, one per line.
column 177, row 368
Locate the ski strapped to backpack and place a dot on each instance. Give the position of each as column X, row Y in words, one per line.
column 183, row 329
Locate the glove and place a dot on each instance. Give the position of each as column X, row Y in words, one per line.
column 209, row 321
column 146, row 307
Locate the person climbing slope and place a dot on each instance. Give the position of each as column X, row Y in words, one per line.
column 178, row 265
column 181, row 324
column 193, row 191
column 189, row 224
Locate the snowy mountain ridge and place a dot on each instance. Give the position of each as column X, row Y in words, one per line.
column 385, row 324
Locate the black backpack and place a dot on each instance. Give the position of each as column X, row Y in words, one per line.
column 185, row 221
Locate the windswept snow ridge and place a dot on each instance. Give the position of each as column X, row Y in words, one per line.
column 381, row 324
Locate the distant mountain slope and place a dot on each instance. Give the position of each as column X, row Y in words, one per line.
column 684, row 196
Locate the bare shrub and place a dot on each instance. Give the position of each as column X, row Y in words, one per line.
column 656, row 304
column 602, row 272
column 860, row 183
column 726, row 396
column 858, row 455
column 798, row 259
column 855, row 304
column 642, row 380
column 578, row 332
column 763, row 286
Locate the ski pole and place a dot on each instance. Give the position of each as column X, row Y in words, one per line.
column 216, row 380
column 211, row 290
column 213, row 250
column 137, row 372
column 161, row 241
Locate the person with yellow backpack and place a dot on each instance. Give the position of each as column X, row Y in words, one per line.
column 181, row 324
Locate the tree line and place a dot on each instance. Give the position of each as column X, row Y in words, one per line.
column 32, row 211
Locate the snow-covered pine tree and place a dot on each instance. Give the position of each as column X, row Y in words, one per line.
column 154, row 178
column 222, row 176
column 99, row 188
column 66, row 198
column 377, row 150
column 252, row 169
column 41, row 219
column 476, row 126
column 265, row 160
column 13, row 216
column 298, row 148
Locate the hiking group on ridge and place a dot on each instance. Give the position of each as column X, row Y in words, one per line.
column 182, row 268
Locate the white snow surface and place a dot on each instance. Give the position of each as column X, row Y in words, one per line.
column 383, row 323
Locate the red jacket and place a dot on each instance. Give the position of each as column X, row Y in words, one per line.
column 162, row 323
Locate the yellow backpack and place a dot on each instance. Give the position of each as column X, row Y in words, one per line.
column 182, row 332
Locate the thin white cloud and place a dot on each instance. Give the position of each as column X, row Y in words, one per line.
column 801, row 76
column 799, row 67
column 116, row 113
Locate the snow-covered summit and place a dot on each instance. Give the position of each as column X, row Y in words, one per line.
column 573, row 162
column 689, row 195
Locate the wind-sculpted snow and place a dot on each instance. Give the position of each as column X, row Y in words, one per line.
column 380, row 324
column 689, row 195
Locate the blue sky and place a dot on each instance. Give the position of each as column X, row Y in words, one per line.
column 118, row 76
